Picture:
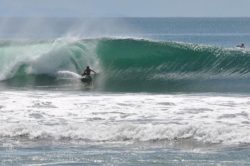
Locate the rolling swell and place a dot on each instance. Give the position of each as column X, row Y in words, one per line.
column 128, row 65
column 166, row 66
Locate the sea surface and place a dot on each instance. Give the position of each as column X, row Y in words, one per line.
column 168, row 91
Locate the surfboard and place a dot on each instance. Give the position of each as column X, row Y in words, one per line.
column 68, row 75
column 86, row 79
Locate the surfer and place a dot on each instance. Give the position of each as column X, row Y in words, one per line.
column 241, row 45
column 87, row 71
column 86, row 75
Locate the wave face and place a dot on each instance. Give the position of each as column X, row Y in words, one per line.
column 126, row 65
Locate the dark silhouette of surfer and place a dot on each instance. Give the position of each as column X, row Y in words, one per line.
column 242, row 45
column 86, row 75
column 87, row 71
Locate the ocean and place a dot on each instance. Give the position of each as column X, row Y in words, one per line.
column 168, row 91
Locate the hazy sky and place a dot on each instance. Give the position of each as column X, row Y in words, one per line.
column 125, row 8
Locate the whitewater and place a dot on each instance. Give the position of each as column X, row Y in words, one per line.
column 174, row 91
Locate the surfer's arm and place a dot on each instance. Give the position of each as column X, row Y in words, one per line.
column 93, row 71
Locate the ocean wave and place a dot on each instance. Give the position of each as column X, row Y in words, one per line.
column 128, row 64
column 126, row 118
column 130, row 133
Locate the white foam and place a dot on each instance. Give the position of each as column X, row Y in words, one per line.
column 47, row 57
column 128, row 117
column 68, row 74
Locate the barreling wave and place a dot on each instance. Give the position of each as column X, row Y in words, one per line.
column 127, row 65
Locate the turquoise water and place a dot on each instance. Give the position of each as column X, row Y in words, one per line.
column 127, row 65
column 127, row 155
column 169, row 91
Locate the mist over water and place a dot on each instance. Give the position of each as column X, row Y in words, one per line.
column 53, row 28
column 226, row 32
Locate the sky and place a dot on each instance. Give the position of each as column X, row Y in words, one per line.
column 125, row 8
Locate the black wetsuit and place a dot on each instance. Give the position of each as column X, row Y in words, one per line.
column 87, row 72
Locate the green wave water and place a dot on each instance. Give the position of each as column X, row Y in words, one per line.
column 127, row 65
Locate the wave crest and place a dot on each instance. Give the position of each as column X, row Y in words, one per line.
column 129, row 64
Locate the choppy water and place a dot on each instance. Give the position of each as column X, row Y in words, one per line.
column 65, row 128
column 168, row 92
column 201, row 118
